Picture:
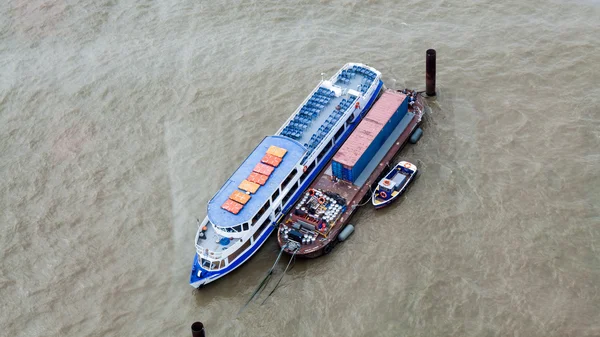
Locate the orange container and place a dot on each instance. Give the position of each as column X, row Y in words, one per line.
column 248, row 186
column 263, row 169
column 232, row 206
column 240, row 197
column 272, row 160
column 277, row 151
column 257, row 178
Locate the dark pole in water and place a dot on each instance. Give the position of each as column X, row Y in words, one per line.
column 198, row 330
column 430, row 72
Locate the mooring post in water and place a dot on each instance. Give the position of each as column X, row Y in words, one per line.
column 430, row 72
column 198, row 330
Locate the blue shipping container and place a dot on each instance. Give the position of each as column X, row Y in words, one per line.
column 352, row 173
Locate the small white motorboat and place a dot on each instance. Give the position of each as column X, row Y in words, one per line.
column 393, row 184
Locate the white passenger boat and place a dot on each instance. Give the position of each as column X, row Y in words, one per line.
column 247, row 208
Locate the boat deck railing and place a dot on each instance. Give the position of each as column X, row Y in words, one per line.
column 326, row 133
column 323, row 94
column 211, row 248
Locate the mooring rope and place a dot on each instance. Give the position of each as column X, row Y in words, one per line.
column 264, row 281
column 282, row 275
column 368, row 199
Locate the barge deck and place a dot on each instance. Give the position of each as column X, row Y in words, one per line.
column 323, row 241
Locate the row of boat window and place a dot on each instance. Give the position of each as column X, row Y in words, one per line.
column 245, row 226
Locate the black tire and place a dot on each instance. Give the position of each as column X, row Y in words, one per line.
column 328, row 248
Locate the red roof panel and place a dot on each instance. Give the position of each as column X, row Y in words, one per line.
column 257, row 178
column 232, row 206
column 263, row 169
column 272, row 160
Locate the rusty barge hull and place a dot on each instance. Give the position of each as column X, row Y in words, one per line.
column 356, row 192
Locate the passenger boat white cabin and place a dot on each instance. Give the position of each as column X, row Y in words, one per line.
column 245, row 211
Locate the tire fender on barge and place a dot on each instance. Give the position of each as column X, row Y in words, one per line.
column 346, row 232
column 414, row 138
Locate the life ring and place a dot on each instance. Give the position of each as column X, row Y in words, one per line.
column 321, row 200
column 311, row 192
column 204, row 228
column 407, row 165
column 383, row 194
column 386, row 182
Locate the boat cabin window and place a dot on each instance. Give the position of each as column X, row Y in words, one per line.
column 289, row 177
column 245, row 226
column 212, row 265
column 261, row 212
column 234, row 229
column 263, row 225
column 307, row 172
column 339, row 133
column 311, row 166
column 286, row 198
column 239, row 251
column 304, row 175
column 290, row 193
column 275, row 195
column 325, row 150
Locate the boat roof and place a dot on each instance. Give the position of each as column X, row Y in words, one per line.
column 292, row 156
column 325, row 105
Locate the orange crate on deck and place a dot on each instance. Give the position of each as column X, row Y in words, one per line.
column 232, row 206
column 240, row 197
column 272, row 160
column 263, row 169
column 276, row 151
column 257, row 178
column 248, row 186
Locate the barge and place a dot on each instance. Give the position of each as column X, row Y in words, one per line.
column 313, row 225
